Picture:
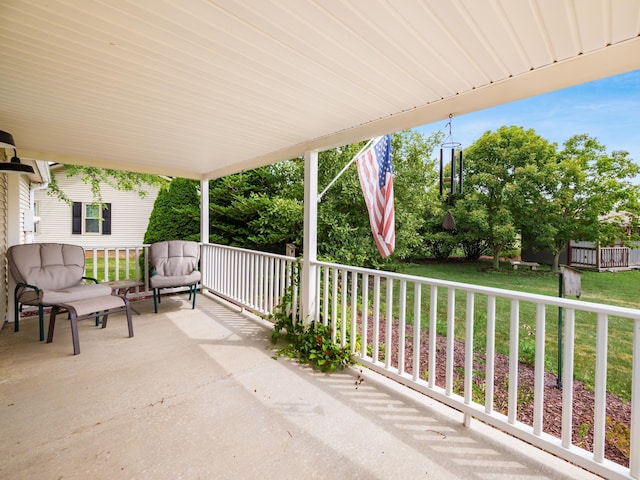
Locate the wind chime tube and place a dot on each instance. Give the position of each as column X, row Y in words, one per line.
column 453, row 171
column 460, row 173
column 441, row 173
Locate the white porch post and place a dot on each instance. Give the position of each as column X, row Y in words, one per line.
column 204, row 211
column 205, row 268
column 310, row 232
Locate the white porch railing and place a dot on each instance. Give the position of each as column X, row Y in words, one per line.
column 254, row 280
column 119, row 263
column 402, row 309
column 344, row 290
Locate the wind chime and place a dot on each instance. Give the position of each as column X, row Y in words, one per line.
column 448, row 150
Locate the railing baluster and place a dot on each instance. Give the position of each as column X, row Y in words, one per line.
column 402, row 325
column 117, row 273
column 417, row 303
column 265, row 284
column 538, row 382
column 279, row 288
column 567, row 377
column 468, row 354
column 334, row 305
column 126, row 263
column 146, row 268
column 233, row 258
column 253, row 271
column 365, row 313
column 451, row 320
column 514, row 338
column 268, row 284
column 354, row 310
column 106, row 265
column 634, row 460
column 376, row 319
column 343, row 320
column 388, row 324
column 296, row 299
column 600, row 410
column 95, row 263
column 490, row 353
column 433, row 325
column 318, row 290
column 325, row 297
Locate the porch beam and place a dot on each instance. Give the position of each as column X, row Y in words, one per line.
column 308, row 278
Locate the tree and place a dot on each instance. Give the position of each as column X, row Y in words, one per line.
column 176, row 213
column 95, row 177
column 582, row 192
column 497, row 189
column 261, row 208
column 344, row 232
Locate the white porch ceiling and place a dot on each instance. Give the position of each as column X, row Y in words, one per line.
column 200, row 89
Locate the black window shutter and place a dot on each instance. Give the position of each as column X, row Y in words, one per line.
column 76, row 223
column 106, row 219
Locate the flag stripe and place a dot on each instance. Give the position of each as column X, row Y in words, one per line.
column 376, row 180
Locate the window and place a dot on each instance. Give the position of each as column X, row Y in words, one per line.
column 36, row 218
column 91, row 218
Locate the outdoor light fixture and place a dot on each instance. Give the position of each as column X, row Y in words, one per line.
column 6, row 140
column 14, row 165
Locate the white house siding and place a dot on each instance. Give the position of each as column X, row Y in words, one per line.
column 4, row 280
column 129, row 214
column 25, row 205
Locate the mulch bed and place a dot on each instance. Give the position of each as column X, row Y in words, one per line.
column 618, row 412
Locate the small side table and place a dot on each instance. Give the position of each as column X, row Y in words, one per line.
column 122, row 287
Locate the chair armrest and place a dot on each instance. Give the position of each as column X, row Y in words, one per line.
column 26, row 285
column 90, row 278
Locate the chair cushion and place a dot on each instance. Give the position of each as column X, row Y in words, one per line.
column 97, row 304
column 164, row 281
column 48, row 266
column 72, row 294
column 174, row 258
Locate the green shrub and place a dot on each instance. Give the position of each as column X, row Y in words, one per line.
column 176, row 213
column 310, row 345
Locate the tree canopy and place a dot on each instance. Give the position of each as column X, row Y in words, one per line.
column 502, row 170
column 582, row 197
column 516, row 184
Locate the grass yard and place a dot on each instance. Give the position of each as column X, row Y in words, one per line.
column 95, row 268
column 620, row 288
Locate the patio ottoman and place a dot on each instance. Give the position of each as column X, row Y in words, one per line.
column 90, row 308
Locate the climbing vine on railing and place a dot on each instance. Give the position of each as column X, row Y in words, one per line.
column 311, row 344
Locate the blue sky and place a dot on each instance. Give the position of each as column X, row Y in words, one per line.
column 608, row 109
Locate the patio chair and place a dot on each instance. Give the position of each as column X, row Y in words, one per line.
column 49, row 275
column 174, row 264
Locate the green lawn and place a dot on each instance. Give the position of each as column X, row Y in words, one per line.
column 122, row 271
column 619, row 288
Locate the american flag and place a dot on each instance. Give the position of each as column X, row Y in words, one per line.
column 376, row 179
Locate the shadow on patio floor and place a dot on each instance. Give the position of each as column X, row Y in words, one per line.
column 197, row 394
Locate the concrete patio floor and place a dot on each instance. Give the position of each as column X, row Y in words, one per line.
column 196, row 394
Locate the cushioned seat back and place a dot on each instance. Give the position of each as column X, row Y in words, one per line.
column 48, row 266
column 175, row 257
